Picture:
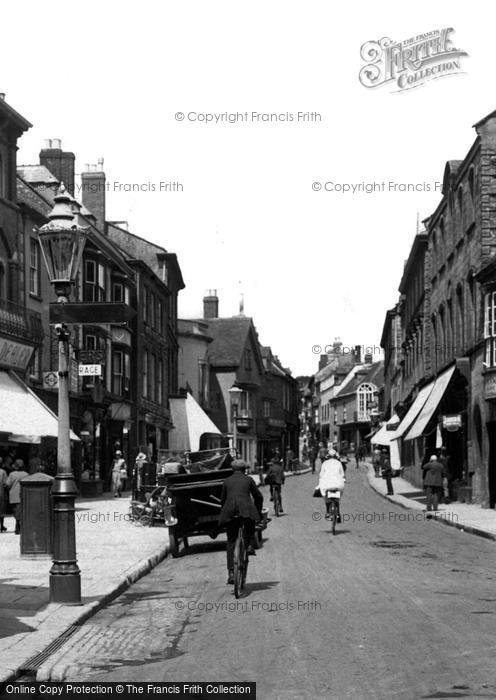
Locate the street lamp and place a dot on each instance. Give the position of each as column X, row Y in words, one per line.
column 235, row 394
column 62, row 242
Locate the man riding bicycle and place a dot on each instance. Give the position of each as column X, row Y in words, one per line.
column 240, row 498
column 275, row 478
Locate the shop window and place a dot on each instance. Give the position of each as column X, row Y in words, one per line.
column 34, row 369
column 266, row 408
column 34, row 267
column 490, row 329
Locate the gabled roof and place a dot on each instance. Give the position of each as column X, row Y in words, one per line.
column 229, row 340
column 362, row 374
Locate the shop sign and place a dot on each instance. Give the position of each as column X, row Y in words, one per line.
column 89, row 370
column 14, row 355
column 490, row 386
column 453, row 422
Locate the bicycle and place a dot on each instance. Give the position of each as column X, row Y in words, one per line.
column 333, row 512
column 240, row 560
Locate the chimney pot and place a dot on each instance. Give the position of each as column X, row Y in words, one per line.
column 48, row 143
column 56, row 143
column 2, row 96
column 100, row 163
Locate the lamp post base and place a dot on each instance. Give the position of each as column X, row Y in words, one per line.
column 65, row 587
column 65, row 576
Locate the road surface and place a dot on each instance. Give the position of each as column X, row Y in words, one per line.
column 393, row 606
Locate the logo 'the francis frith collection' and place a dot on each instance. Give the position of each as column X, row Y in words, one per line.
column 410, row 63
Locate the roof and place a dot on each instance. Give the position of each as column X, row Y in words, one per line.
column 32, row 198
column 151, row 253
column 38, row 174
column 419, row 245
column 491, row 115
column 229, row 340
column 358, row 375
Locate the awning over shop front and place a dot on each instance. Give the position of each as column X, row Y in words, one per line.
column 430, row 406
column 384, row 436
column 23, row 415
column 190, row 423
column 414, row 410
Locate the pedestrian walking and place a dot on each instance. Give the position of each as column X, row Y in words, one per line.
column 387, row 472
column 358, row 456
column 434, row 473
column 377, row 461
column 119, row 473
column 4, row 498
column 14, row 487
column 311, row 457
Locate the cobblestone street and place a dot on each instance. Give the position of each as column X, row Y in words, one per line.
column 393, row 606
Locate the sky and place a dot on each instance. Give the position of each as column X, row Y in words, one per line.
column 134, row 83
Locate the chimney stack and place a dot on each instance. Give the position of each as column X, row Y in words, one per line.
column 60, row 163
column 93, row 192
column 2, row 96
column 323, row 362
column 211, row 304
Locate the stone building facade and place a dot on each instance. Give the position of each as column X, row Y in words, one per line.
column 446, row 397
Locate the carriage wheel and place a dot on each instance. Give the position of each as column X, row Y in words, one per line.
column 146, row 520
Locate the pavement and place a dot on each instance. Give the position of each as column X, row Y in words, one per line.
column 112, row 552
column 470, row 518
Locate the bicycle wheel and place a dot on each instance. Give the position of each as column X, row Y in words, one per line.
column 277, row 503
column 239, row 559
column 334, row 517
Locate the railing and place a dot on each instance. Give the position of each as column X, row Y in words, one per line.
column 19, row 322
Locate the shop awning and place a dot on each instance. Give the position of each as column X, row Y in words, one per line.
column 430, row 406
column 384, row 436
column 190, row 423
column 414, row 410
column 24, row 415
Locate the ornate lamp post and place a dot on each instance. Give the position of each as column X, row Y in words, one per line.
column 62, row 242
column 235, row 394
